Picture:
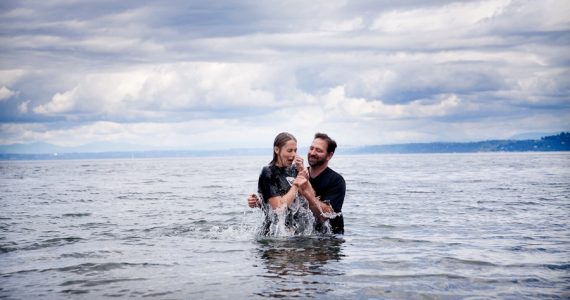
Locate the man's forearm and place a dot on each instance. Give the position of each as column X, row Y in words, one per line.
column 316, row 206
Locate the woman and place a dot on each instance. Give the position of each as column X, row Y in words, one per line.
column 286, row 213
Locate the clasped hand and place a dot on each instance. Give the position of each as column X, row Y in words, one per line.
column 300, row 181
column 300, row 165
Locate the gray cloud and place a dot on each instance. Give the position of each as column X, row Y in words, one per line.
column 395, row 71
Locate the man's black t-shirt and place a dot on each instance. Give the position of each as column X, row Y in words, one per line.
column 331, row 187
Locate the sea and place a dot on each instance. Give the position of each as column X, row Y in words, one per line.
column 417, row 226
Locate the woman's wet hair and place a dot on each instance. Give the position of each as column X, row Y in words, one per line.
column 280, row 141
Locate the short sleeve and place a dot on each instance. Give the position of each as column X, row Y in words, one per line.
column 336, row 193
column 265, row 186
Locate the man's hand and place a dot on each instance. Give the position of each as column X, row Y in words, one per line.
column 253, row 201
column 304, row 173
column 301, row 181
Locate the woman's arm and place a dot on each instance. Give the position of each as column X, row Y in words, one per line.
column 285, row 200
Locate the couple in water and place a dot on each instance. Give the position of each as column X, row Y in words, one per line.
column 297, row 200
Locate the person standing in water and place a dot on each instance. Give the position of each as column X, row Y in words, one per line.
column 325, row 190
column 278, row 185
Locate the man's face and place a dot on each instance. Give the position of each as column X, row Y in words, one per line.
column 318, row 155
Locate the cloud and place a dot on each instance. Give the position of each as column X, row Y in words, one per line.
column 6, row 93
column 157, row 91
column 23, row 107
column 339, row 106
column 458, row 15
column 74, row 72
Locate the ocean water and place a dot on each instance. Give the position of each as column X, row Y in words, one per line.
column 429, row 226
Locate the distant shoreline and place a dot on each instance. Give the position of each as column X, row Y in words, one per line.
column 560, row 142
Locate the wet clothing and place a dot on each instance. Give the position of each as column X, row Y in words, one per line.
column 276, row 181
column 331, row 188
column 273, row 181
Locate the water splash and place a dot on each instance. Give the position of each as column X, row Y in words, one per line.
column 296, row 220
column 331, row 215
column 246, row 230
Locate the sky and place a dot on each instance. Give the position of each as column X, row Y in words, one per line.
column 233, row 74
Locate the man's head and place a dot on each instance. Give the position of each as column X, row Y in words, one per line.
column 321, row 150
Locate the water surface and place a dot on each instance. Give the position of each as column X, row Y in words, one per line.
column 436, row 226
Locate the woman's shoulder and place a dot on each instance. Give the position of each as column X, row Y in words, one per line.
column 267, row 170
column 275, row 171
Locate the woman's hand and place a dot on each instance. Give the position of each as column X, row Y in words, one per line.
column 300, row 181
column 299, row 164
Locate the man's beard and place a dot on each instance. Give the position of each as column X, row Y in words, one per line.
column 316, row 162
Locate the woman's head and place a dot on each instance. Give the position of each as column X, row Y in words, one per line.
column 284, row 149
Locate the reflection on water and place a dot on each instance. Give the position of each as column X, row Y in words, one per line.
column 289, row 261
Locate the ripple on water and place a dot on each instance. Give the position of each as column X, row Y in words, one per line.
column 424, row 226
column 93, row 268
column 54, row 242
column 76, row 215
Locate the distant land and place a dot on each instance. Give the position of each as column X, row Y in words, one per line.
column 559, row 142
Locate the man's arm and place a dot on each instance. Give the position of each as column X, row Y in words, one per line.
column 317, row 207
column 253, row 201
column 335, row 194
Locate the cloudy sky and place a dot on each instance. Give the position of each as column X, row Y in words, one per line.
column 224, row 74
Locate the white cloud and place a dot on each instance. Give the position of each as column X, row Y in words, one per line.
column 212, row 74
column 9, row 77
column 23, row 107
column 354, row 24
column 60, row 103
column 338, row 106
column 6, row 93
column 14, row 133
column 188, row 86
column 527, row 16
column 455, row 16
column 194, row 134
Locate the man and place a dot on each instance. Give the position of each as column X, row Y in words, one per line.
column 325, row 189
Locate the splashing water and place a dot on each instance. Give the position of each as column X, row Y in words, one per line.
column 296, row 220
column 332, row 214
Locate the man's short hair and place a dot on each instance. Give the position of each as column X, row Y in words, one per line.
column 331, row 144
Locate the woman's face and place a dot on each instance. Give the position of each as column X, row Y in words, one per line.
column 286, row 154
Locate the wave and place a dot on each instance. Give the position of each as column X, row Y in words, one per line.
column 87, row 268
column 55, row 242
column 77, row 215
